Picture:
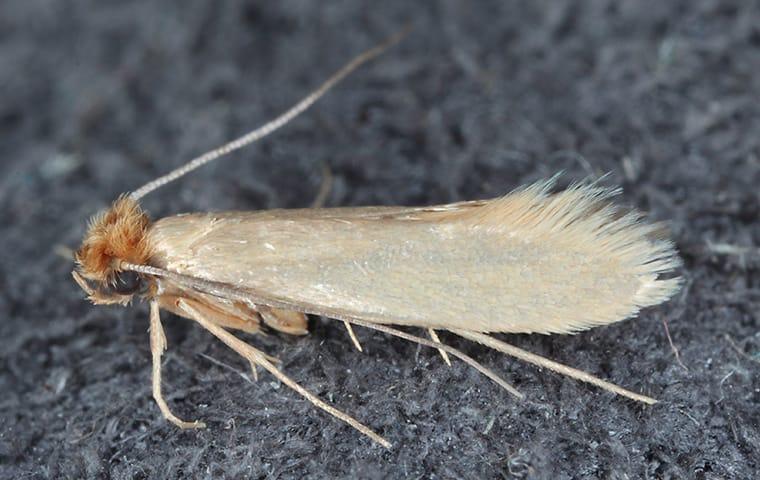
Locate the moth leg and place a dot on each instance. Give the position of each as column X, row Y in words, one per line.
column 257, row 357
column 353, row 336
column 540, row 361
column 286, row 321
column 83, row 284
column 324, row 187
column 442, row 346
column 157, row 347
column 434, row 337
column 239, row 317
column 248, row 324
column 255, row 372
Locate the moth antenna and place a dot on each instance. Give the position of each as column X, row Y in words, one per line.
column 440, row 346
column 540, row 361
column 272, row 125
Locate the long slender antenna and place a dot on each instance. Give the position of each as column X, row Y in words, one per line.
column 272, row 125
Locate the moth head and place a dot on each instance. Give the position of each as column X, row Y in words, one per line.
column 114, row 238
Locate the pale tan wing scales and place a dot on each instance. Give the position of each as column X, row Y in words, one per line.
column 526, row 262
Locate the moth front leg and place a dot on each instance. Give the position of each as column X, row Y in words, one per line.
column 157, row 347
column 285, row 321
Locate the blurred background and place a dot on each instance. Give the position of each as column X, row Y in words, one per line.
column 97, row 98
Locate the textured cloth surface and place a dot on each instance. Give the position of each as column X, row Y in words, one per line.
column 97, row 98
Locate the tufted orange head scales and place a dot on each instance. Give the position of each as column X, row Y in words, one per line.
column 117, row 235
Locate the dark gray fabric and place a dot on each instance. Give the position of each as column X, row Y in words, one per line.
column 98, row 97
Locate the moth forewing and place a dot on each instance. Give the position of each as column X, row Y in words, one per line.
column 528, row 262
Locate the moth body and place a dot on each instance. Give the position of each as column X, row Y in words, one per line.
column 528, row 262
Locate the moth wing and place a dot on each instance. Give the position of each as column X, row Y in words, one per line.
column 526, row 262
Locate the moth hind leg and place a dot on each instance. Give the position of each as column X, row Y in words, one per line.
column 440, row 346
column 560, row 368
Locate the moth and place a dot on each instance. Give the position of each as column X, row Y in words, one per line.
column 529, row 262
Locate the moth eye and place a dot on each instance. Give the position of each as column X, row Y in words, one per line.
column 126, row 283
